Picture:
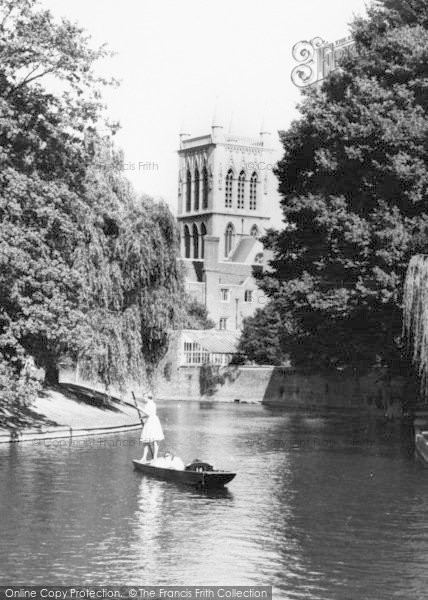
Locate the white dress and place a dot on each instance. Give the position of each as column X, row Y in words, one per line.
column 152, row 430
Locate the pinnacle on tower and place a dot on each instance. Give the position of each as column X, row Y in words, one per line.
column 265, row 131
column 184, row 129
column 217, row 124
column 231, row 123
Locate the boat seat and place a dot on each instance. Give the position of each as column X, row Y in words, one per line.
column 199, row 465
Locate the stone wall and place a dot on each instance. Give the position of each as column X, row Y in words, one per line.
column 289, row 387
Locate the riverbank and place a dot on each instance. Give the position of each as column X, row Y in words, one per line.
column 372, row 394
column 71, row 412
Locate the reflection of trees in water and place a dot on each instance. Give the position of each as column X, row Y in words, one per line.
column 277, row 550
column 347, row 488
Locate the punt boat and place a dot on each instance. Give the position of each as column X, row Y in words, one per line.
column 198, row 474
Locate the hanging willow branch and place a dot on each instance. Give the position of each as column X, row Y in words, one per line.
column 132, row 288
column 415, row 316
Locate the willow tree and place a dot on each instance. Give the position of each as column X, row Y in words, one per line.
column 132, row 285
column 87, row 269
column 354, row 182
column 415, row 317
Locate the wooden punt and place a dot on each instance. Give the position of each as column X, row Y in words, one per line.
column 199, row 475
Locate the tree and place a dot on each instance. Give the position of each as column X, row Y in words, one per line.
column 88, row 270
column 354, row 182
column 263, row 336
column 195, row 315
column 17, row 391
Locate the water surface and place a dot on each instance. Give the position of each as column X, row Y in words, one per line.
column 322, row 508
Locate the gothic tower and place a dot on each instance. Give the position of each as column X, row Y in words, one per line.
column 226, row 198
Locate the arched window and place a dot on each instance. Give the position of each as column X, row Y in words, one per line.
column 195, row 242
column 186, row 242
column 253, row 191
column 203, row 234
column 254, row 231
column 228, row 189
column 258, row 260
column 204, row 188
column 188, row 191
column 196, row 205
column 228, row 239
column 241, row 189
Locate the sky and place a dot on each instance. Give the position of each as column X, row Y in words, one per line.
column 177, row 59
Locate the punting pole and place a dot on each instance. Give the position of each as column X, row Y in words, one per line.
column 138, row 410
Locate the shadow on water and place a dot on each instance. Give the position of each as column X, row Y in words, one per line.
column 188, row 490
column 206, row 405
column 323, row 506
column 214, row 494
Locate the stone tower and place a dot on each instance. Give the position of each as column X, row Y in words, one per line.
column 226, row 199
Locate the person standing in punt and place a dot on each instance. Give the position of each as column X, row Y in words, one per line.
column 152, row 432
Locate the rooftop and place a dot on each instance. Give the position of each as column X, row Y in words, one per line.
column 214, row 341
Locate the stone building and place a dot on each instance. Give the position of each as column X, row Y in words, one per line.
column 227, row 198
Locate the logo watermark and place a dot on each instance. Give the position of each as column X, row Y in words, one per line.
column 87, row 442
column 128, row 166
column 318, row 59
column 260, row 166
column 191, row 592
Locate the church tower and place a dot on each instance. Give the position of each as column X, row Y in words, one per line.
column 226, row 198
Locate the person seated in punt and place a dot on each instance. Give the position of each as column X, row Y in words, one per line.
column 152, row 432
column 168, row 461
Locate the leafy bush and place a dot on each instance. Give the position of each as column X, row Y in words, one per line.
column 209, row 379
column 195, row 315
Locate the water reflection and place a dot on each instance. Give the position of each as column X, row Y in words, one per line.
column 150, row 521
column 322, row 507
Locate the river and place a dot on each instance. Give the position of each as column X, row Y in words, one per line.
column 323, row 507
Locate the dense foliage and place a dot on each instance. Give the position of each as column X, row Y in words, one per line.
column 195, row 316
column 262, row 337
column 354, row 181
column 88, row 270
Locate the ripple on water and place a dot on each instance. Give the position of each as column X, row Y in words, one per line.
column 321, row 508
